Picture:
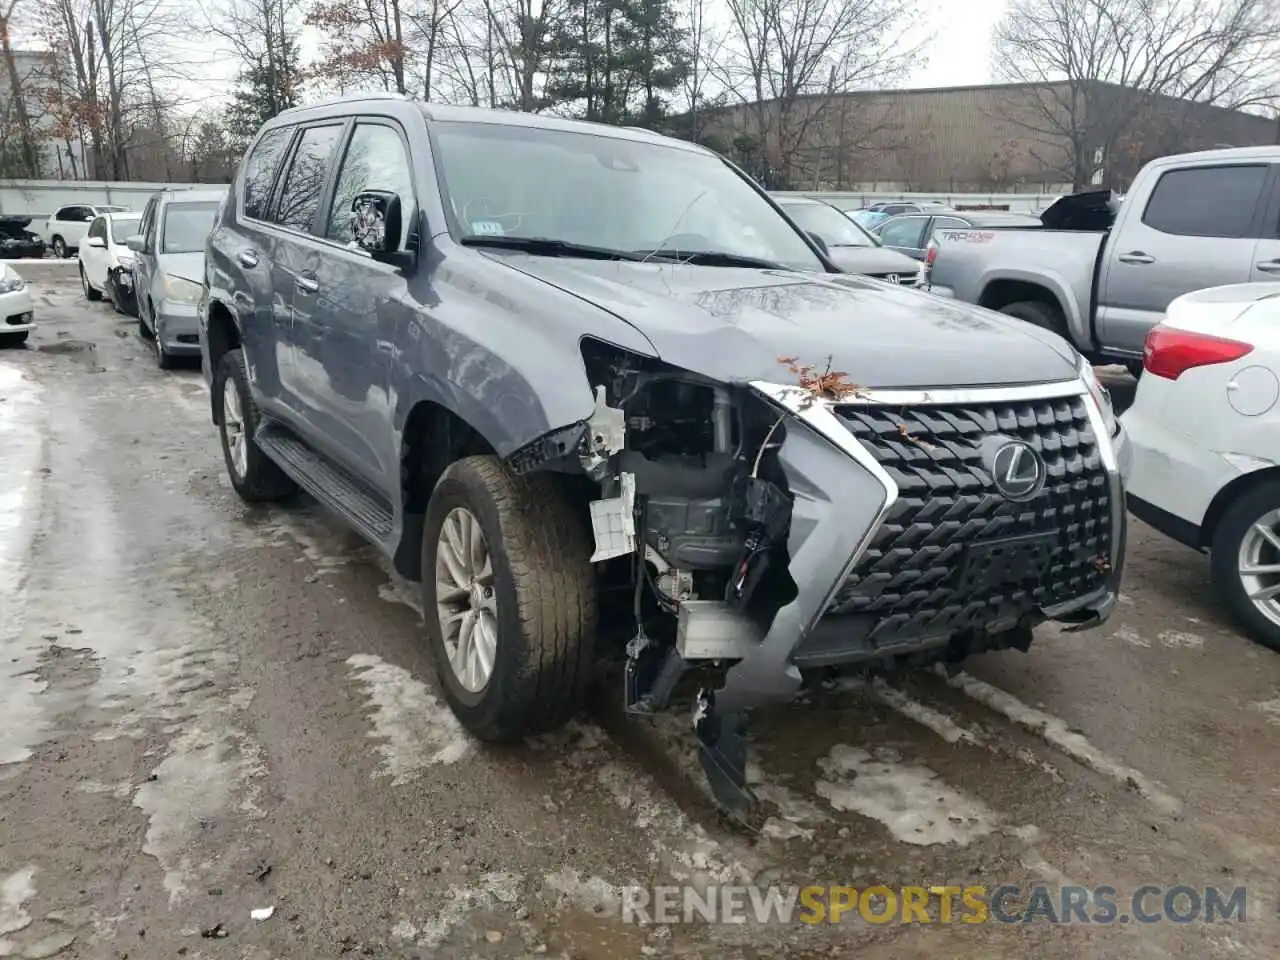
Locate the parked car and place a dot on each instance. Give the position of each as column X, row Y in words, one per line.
column 574, row 379
column 910, row 233
column 1205, row 428
column 17, row 242
column 865, row 218
column 168, row 269
column 106, row 262
column 67, row 227
column 850, row 247
column 1104, row 272
column 17, row 315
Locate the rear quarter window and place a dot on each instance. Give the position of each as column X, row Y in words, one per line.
column 260, row 169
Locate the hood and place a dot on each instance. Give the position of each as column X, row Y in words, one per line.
column 872, row 260
column 733, row 324
column 188, row 266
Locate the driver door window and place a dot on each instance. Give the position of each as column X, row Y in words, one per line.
column 376, row 159
column 903, row 233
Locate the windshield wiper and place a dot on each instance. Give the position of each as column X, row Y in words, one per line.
column 549, row 247
column 708, row 258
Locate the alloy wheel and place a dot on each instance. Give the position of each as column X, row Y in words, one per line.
column 233, row 428
column 466, row 599
column 1258, row 564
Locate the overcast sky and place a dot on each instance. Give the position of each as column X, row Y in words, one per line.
column 958, row 53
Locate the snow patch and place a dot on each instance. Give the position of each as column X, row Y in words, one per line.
column 494, row 888
column 1179, row 640
column 1270, row 709
column 594, row 894
column 21, row 456
column 15, row 891
column 206, row 768
column 417, row 730
column 912, row 801
column 940, row 723
column 1055, row 731
column 1131, row 637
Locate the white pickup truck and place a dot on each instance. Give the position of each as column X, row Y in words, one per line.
column 1102, row 271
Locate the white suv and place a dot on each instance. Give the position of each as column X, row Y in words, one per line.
column 67, row 227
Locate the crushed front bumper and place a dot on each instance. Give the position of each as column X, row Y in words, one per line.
column 902, row 547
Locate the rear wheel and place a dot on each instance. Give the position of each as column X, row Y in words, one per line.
column 1039, row 313
column 509, row 598
column 59, row 248
column 1245, row 561
column 253, row 474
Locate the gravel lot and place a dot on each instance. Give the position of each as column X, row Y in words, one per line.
column 207, row 709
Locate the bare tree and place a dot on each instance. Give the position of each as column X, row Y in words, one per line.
column 1099, row 70
column 497, row 53
column 365, row 40
column 792, row 60
column 264, row 36
column 704, row 42
column 15, row 121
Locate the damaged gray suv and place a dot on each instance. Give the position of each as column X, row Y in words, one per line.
column 602, row 398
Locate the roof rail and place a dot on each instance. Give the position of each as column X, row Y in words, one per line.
column 353, row 98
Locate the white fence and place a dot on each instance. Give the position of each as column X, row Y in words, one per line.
column 39, row 198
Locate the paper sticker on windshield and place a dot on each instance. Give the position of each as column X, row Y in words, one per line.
column 487, row 228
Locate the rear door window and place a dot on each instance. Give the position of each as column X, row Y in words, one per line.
column 1207, row 201
column 305, row 179
column 260, row 171
column 903, row 233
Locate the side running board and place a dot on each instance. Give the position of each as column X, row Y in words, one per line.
column 327, row 482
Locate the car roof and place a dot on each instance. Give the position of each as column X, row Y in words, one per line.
column 192, row 196
column 122, row 214
column 995, row 217
column 802, row 201
column 463, row 114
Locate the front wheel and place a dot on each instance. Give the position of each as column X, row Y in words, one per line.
column 90, row 293
column 254, row 475
column 1245, row 562
column 509, row 598
column 59, row 248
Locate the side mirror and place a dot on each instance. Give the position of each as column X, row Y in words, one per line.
column 136, row 243
column 96, row 242
column 822, row 244
column 376, row 222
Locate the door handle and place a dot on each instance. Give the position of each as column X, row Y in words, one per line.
column 1269, row 266
column 1136, row 256
column 307, row 284
column 248, row 258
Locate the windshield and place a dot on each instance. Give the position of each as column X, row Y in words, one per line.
column 122, row 230
column 187, row 226
column 607, row 192
column 835, row 229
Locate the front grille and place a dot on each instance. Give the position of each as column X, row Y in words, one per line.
column 910, row 583
column 904, row 279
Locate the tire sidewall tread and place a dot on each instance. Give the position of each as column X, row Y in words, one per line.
column 263, row 481
column 545, row 586
column 1224, row 552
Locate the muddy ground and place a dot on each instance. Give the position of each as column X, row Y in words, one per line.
column 206, row 709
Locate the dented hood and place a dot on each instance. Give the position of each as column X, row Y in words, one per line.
column 733, row 324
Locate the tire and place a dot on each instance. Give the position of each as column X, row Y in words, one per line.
column 1043, row 315
column 14, row 339
column 1235, row 526
column 544, row 610
column 90, row 294
column 164, row 359
column 261, row 481
column 59, row 247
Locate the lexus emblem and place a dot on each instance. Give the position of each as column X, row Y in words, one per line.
column 892, row 278
column 1017, row 470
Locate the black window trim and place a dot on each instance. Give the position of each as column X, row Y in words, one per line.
column 331, row 186
column 268, row 207
column 903, row 216
column 1257, row 224
column 343, row 122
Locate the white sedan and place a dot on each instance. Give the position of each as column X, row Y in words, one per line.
column 1205, row 435
column 16, row 315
